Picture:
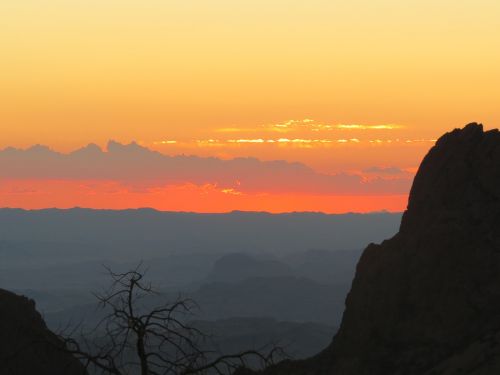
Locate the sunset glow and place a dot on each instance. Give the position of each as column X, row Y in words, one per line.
column 188, row 197
column 341, row 88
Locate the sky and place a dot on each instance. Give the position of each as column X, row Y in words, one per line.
column 360, row 89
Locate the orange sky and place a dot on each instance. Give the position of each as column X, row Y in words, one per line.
column 271, row 79
column 208, row 198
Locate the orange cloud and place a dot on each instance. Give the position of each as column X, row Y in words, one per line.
column 306, row 125
column 140, row 168
column 368, row 127
column 133, row 176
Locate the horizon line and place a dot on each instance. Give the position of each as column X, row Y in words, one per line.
column 75, row 208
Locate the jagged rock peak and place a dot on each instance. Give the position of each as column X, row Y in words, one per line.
column 459, row 178
column 433, row 291
column 427, row 301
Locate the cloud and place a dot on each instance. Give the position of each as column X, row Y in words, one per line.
column 368, row 127
column 385, row 170
column 140, row 168
column 308, row 125
column 166, row 142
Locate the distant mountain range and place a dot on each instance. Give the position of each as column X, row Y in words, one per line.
column 238, row 285
column 257, row 277
column 180, row 248
column 55, row 236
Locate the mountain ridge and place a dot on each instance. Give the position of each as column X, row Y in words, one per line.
column 427, row 300
column 27, row 346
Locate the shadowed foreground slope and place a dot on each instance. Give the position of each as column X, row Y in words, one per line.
column 427, row 301
column 26, row 345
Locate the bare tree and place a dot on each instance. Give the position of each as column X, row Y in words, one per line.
column 133, row 338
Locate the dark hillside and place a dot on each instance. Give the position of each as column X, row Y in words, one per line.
column 26, row 345
column 427, row 301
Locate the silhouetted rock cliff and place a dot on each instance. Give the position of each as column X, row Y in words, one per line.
column 427, row 301
column 27, row 347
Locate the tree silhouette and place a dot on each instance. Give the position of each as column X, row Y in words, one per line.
column 135, row 339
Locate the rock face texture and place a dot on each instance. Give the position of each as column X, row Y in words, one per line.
column 27, row 347
column 427, row 301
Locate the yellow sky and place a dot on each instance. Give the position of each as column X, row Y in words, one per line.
column 80, row 71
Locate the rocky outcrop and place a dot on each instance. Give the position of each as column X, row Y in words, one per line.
column 427, row 301
column 27, row 347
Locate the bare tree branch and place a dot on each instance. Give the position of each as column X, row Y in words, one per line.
column 134, row 339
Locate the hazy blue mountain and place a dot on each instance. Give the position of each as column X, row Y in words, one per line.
column 246, row 270
column 238, row 267
column 173, row 270
column 47, row 237
column 283, row 298
column 65, row 249
column 324, row 266
column 298, row 339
